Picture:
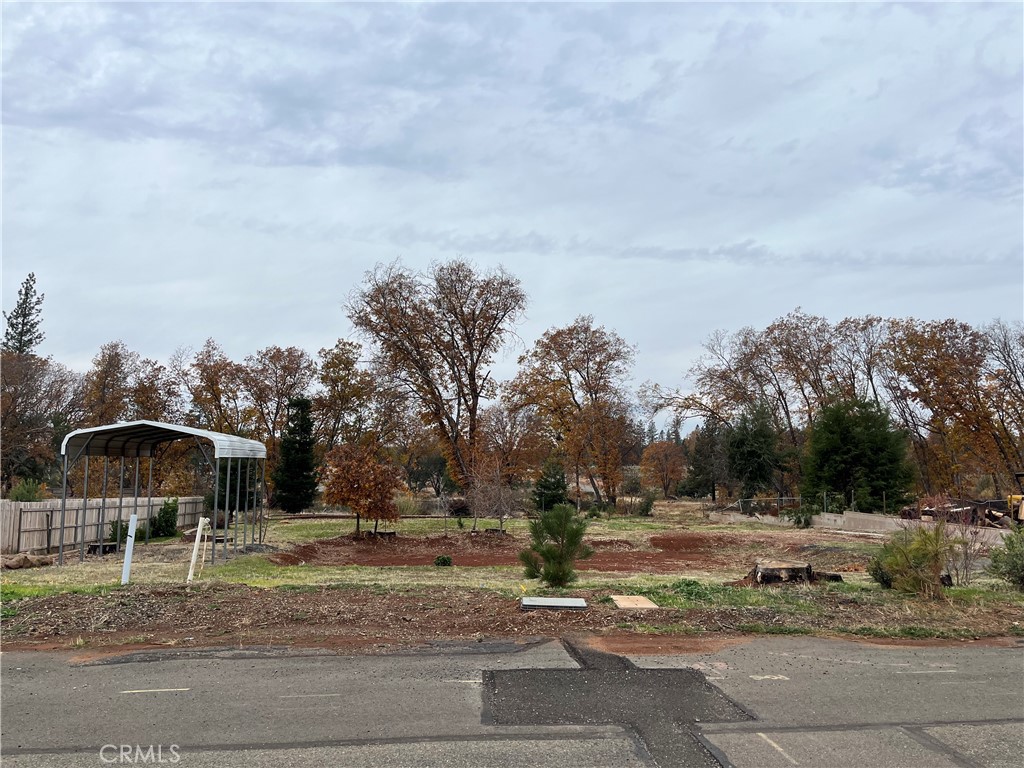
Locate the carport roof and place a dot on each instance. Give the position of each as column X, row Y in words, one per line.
column 139, row 438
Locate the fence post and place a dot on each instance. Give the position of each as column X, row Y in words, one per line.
column 17, row 542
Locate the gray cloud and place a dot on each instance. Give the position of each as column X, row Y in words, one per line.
column 668, row 165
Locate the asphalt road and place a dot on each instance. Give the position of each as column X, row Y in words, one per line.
column 768, row 702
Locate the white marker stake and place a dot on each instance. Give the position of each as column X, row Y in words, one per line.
column 129, row 545
column 203, row 522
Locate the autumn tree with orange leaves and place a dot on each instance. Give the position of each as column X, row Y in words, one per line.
column 435, row 336
column 576, row 377
column 664, row 465
column 361, row 477
column 956, row 391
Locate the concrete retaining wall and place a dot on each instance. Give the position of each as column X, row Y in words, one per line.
column 856, row 522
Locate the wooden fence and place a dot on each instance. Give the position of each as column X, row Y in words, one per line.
column 34, row 526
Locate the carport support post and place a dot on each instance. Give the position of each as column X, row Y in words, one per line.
column 63, row 511
column 120, row 505
column 103, row 505
column 216, row 501
column 245, row 519
column 262, row 491
column 149, row 497
column 238, row 490
column 138, row 462
column 227, row 507
column 85, row 511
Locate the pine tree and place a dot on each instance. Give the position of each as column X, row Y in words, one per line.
column 753, row 452
column 551, row 488
column 22, row 334
column 556, row 543
column 854, row 449
column 295, row 476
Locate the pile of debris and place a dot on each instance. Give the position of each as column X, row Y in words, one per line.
column 987, row 513
column 22, row 560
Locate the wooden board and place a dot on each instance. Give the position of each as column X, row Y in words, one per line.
column 633, row 602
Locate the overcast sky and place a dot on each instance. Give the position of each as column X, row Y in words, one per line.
column 173, row 172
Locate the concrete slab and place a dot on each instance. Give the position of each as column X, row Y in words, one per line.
column 633, row 602
column 553, row 603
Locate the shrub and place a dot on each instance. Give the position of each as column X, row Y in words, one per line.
column 27, row 490
column 646, row 506
column 968, row 546
column 119, row 531
column 407, row 506
column 461, row 522
column 556, row 544
column 1008, row 560
column 912, row 560
column 443, row 560
column 878, row 573
column 459, row 508
column 802, row 517
column 166, row 521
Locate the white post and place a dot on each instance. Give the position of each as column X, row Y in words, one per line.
column 200, row 531
column 129, row 545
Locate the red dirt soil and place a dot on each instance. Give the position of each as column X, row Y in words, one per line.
column 668, row 553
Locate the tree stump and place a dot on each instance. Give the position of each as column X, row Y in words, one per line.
column 780, row 571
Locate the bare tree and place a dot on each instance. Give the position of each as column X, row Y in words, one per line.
column 436, row 335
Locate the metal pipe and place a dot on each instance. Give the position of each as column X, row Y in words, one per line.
column 238, row 490
column 149, row 497
column 85, row 511
column 216, row 498
column 138, row 461
column 227, row 507
column 103, row 505
column 63, row 510
column 262, row 491
column 120, row 506
column 245, row 520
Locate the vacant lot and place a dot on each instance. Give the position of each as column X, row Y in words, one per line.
column 316, row 585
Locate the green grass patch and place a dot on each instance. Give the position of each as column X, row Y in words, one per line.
column 987, row 593
column 11, row 591
column 660, row 629
column 302, row 531
column 759, row 628
column 908, row 631
column 616, row 524
column 257, row 571
column 685, row 594
column 283, row 532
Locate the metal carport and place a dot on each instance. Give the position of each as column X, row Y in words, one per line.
column 138, row 439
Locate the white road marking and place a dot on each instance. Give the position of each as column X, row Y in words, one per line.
column 780, row 749
column 310, row 695
column 158, row 690
column 768, row 677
